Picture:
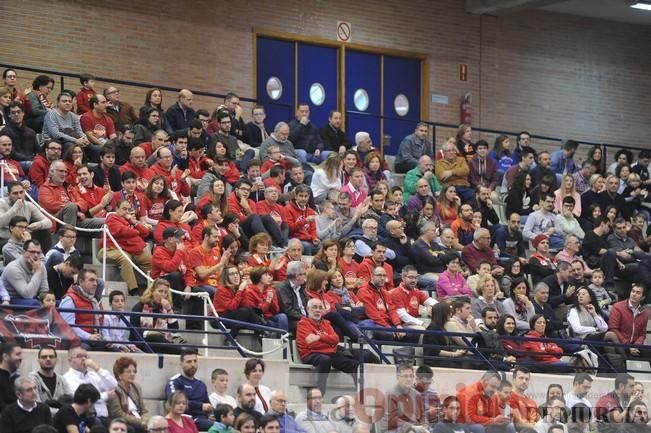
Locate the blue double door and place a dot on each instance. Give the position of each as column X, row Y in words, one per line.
column 374, row 85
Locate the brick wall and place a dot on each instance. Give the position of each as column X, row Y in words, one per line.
column 552, row 74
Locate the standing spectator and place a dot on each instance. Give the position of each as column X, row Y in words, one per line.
column 198, row 405
column 84, row 370
column 412, row 147
column 25, row 278
column 85, row 93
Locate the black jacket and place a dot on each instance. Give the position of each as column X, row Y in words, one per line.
column 115, row 180
column 426, row 257
column 288, row 302
column 176, row 119
column 24, row 143
column 253, row 134
column 333, row 138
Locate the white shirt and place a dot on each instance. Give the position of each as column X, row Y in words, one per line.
column 101, row 379
column 216, row 399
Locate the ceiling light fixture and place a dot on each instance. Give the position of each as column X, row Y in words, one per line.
column 644, row 5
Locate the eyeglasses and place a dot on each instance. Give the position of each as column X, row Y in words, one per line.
column 113, row 92
column 48, row 356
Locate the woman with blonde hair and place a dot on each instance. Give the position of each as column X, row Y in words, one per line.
column 326, row 177
column 157, row 299
column 567, row 190
column 487, row 290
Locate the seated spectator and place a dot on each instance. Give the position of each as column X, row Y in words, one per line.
column 18, row 235
column 373, row 172
column 562, row 161
column 555, row 326
column 487, row 291
column 461, row 321
column 448, row 205
column 473, row 280
column 317, row 344
column 401, row 244
column 180, row 115
column 521, row 199
column 479, row 250
column 480, row 407
column 552, row 421
column 127, row 401
column 94, row 199
column 84, row 370
column 585, row 319
column 73, row 157
column 280, row 138
column 260, row 294
column 62, row 124
column 541, row 264
column 53, row 394
column 567, row 190
column 13, row 170
column 543, row 221
column 246, row 397
column 177, row 420
column 451, row 282
column 157, row 195
column 26, row 413
column 72, row 416
column 408, row 300
column 355, row 187
column 148, row 123
column 24, row 144
column 571, row 253
column 98, row 127
column 129, row 234
column 327, row 257
column 305, row 136
column 450, row 419
column 326, row 177
column 509, row 240
column 117, row 321
column 524, row 165
column 567, row 221
column 175, row 216
column 215, row 194
column 65, row 248
column 344, row 300
column 504, row 154
column 412, row 147
column 79, row 297
column 25, row 278
column 271, row 207
column 294, row 252
column 547, row 353
column 453, row 170
column 291, row 293
column 229, row 299
column 39, row 171
column 255, row 132
column 376, row 259
column 610, row 197
column 423, row 195
column 483, row 169
column 424, row 169
column 628, row 320
column 61, row 276
column 171, row 261
column 313, row 419
column 276, row 158
column 519, row 305
column 219, row 379
column 138, row 166
column 302, row 220
column 137, row 199
column 436, row 345
column 297, row 176
column 463, row 227
column 506, row 327
column 405, row 406
column 328, row 223
column 174, row 177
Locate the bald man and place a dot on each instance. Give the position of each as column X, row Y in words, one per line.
column 180, row 115
column 424, row 170
column 137, row 164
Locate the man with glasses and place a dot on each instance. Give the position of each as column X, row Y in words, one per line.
column 51, row 386
column 25, row 278
column 318, row 344
column 16, row 205
column 56, row 199
column 175, row 179
column 408, row 300
column 479, row 249
column 278, row 408
column 453, row 169
column 23, row 137
column 120, row 112
column 313, row 419
column 255, row 132
column 84, row 370
column 38, row 172
column 157, row 424
column 405, row 404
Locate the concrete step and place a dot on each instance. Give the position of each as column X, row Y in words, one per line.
column 303, row 377
column 113, row 274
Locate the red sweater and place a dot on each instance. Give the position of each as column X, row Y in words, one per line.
column 91, row 197
column 410, row 300
column 299, row 227
column 377, row 305
column 83, row 100
column 39, row 170
column 131, row 238
column 226, row 300
column 235, row 206
column 172, row 179
column 541, row 351
column 265, row 208
column 143, row 174
column 328, row 299
column 366, row 269
column 476, row 408
column 163, row 224
column 266, row 300
column 163, row 262
column 327, row 344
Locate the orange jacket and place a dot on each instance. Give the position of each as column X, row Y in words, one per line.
column 476, row 408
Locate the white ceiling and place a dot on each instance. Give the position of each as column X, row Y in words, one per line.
column 611, row 10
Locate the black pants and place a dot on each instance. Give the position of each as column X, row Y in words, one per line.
column 242, row 315
column 255, row 224
column 341, row 360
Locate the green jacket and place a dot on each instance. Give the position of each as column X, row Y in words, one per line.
column 412, row 177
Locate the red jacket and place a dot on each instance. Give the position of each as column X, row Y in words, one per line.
column 91, row 197
column 366, row 269
column 377, row 306
column 327, row 344
column 410, row 300
column 85, row 321
column 264, row 208
column 265, row 300
column 15, row 169
column 542, row 351
column 39, row 170
column 476, row 408
column 83, row 100
column 232, row 174
column 173, row 180
column 164, row 262
column 131, row 238
column 196, row 167
column 226, row 300
column 298, row 226
column 328, row 299
column 234, row 206
column 628, row 329
column 143, row 174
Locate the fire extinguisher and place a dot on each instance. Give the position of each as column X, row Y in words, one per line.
column 466, row 108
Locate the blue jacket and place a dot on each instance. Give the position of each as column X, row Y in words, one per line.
column 287, row 423
column 194, row 389
column 176, row 119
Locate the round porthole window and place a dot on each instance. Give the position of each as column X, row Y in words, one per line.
column 317, row 94
column 274, row 88
column 401, row 105
column 361, row 99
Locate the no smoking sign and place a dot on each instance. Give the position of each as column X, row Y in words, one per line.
column 344, row 31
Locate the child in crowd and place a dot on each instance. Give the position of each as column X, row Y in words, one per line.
column 224, row 419
column 274, row 157
column 47, row 299
column 219, row 379
column 603, row 297
column 114, row 321
column 85, row 93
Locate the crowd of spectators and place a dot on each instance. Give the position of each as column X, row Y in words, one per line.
column 303, row 228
